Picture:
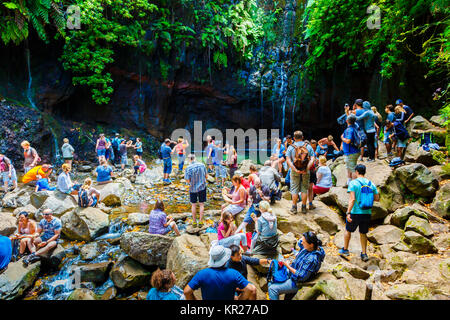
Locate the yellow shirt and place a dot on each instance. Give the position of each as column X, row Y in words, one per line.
column 31, row 175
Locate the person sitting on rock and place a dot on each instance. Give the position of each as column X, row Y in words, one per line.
column 324, row 177
column 50, row 227
column 139, row 165
column 327, row 147
column 254, row 174
column 257, row 193
column 43, row 184
column 159, row 222
column 88, row 196
column 265, row 240
column 236, row 201
column 5, row 253
column 357, row 217
column 226, row 233
column 305, row 266
column 219, row 282
column 271, row 179
column 31, row 177
column 163, row 286
column 239, row 262
column 104, row 172
column 7, row 173
column 64, row 183
column 23, row 239
column 279, row 155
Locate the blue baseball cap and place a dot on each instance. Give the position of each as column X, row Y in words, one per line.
column 399, row 101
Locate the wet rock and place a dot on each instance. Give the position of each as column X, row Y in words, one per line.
column 20, row 197
column 148, row 249
column 127, row 273
column 53, row 259
column 109, row 294
column 418, row 243
column 37, row 199
column 60, row 203
column 354, row 271
column 287, row 242
column 7, row 224
column 385, row 234
column 415, row 153
column 85, row 168
column 16, row 279
column 90, row 251
column 112, row 194
column 419, row 225
column 186, row 256
column 94, row 272
column 137, row 218
column 400, row 216
column 82, row 294
column 408, row 292
column 441, row 202
column 28, row 208
column 84, row 224
column 418, row 179
column 126, row 183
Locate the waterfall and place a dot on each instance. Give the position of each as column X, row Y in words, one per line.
column 57, row 153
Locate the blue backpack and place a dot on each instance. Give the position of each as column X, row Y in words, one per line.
column 277, row 274
column 400, row 131
column 366, row 196
column 358, row 139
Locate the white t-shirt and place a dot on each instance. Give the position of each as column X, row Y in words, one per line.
column 326, row 181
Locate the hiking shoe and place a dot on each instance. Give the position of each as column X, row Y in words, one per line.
column 303, row 208
column 200, row 224
column 364, row 257
column 344, row 252
column 26, row 260
column 293, row 210
column 312, row 207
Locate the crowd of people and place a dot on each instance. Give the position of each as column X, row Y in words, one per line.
column 302, row 164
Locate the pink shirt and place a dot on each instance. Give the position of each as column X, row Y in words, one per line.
column 219, row 231
column 236, row 197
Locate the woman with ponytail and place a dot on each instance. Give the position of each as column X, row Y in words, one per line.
column 226, row 232
column 305, row 266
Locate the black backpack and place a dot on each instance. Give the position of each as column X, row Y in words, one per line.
column 400, row 131
column 83, row 198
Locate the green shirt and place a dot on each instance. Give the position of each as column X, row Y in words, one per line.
column 355, row 186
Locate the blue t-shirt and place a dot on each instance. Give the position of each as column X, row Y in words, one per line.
column 358, row 113
column 5, row 251
column 408, row 110
column 391, row 116
column 49, row 228
column 218, row 155
column 218, row 283
column 103, row 173
column 348, row 148
column 154, row 294
column 139, row 146
column 42, row 184
column 166, row 151
column 355, row 186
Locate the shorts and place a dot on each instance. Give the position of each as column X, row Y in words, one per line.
column 248, row 219
column 234, row 209
column 167, row 165
column 124, row 160
column 299, row 182
column 68, row 158
column 221, row 171
column 198, row 196
column 351, row 160
column 358, row 220
column 312, row 177
column 402, row 143
column 4, row 176
column 167, row 229
column 139, row 153
column 101, row 152
column 45, row 237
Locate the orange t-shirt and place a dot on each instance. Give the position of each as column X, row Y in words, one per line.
column 31, row 175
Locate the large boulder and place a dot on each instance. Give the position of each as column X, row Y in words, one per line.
column 127, row 273
column 408, row 292
column 400, row 261
column 287, row 242
column 84, row 224
column 347, row 288
column 400, row 216
column 419, row 123
column 385, row 234
column 418, row 243
column 186, row 256
column 82, row 294
column 441, row 202
column 37, row 199
column 112, row 194
column 353, row 270
column 415, row 153
column 52, row 259
column 29, row 208
column 438, row 120
column 16, row 279
column 148, row 249
column 244, row 167
column 418, row 179
column 328, row 220
column 90, row 251
column 20, row 197
column 439, row 173
column 8, row 224
column 150, row 176
column 94, row 272
column 419, row 225
column 137, row 218
column 60, row 203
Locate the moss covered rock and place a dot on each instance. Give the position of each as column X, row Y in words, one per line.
column 418, row 243
column 408, row 292
column 401, row 216
column 441, row 203
column 418, row 179
column 419, row 225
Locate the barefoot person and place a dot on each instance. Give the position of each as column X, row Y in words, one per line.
column 357, row 216
column 7, row 173
column 49, row 229
column 180, row 149
column 195, row 175
column 159, row 222
column 31, row 156
column 26, row 230
column 219, row 282
column 166, row 153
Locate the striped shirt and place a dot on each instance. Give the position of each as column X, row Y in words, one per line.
column 196, row 174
